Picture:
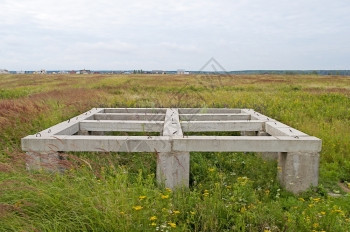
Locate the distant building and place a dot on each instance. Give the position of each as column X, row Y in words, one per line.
column 158, row 72
column 4, row 71
column 20, row 72
column 182, row 72
column 85, row 71
column 42, row 71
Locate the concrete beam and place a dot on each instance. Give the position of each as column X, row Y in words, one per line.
column 246, row 144
column 198, row 126
column 97, row 143
column 130, row 116
column 121, row 125
column 135, row 110
column 214, row 117
column 208, row 111
column 70, row 126
column 280, row 129
column 169, row 143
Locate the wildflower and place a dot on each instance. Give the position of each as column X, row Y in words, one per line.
column 316, row 199
column 137, row 208
column 323, row 213
column 172, row 224
column 211, row 169
column 153, row 224
column 164, row 196
column 176, row 212
column 301, row 199
column 142, row 197
column 243, row 180
column 193, row 213
column 122, row 213
column 168, row 190
column 153, row 218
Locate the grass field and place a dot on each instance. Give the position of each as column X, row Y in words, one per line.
column 228, row 191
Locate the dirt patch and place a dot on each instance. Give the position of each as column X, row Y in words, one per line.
column 5, row 209
column 344, row 187
column 5, row 167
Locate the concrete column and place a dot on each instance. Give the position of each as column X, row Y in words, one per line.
column 97, row 133
column 48, row 161
column 83, row 132
column 297, row 171
column 248, row 133
column 173, row 169
column 267, row 155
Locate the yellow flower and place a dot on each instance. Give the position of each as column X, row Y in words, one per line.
column 316, row 199
column 153, row 218
column 164, row 196
column 176, row 212
column 193, row 213
column 172, row 224
column 323, row 213
column 122, row 213
column 168, row 190
column 211, row 169
column 142, row 197
column 153, row 224
column 301, row 199
column 206, row 194
column 138, row 207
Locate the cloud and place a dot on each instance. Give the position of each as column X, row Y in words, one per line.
column 174, row 34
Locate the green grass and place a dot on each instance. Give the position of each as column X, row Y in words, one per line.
column 118, row 191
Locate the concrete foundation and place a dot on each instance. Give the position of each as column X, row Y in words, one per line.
column 297, row 152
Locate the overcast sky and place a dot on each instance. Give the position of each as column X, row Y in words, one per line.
column 173, row 34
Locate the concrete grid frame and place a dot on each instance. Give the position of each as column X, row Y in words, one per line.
column 297, row 153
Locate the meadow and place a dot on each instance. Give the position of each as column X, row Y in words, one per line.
column 118, row 191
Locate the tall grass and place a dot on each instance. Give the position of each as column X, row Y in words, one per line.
column 118, row 192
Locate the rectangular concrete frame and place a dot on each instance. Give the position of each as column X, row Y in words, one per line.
column 297, row 152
